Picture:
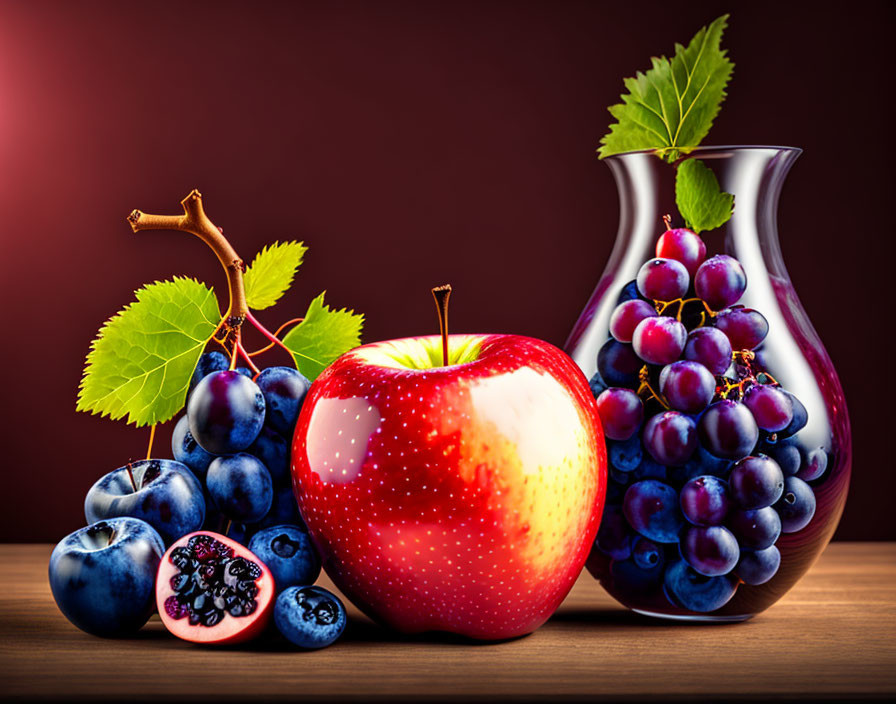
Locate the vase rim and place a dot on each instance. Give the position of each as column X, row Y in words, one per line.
column 714, row 148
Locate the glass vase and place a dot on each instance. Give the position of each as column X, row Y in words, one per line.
column 653, row 577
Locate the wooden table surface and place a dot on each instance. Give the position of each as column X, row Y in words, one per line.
column 832, row 636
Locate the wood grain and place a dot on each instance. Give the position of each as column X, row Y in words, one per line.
column 832, row 636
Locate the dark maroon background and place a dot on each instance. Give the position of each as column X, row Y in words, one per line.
column 408, row 144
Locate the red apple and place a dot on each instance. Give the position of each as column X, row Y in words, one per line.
column 460, row 498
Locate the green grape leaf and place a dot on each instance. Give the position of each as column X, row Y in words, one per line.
column 271, row 273
column 700, row 200
column 142, row 359
column 671, row 107
column 322, row 336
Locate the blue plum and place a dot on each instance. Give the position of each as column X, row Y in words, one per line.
column 710, row 550
column 758, row 566
column 796, row 505
column 208, row 363
column 755, row 529
column 168, row 496
column 625, row 455
column 646, row 554
column 310, row 617
column 103, row 576
column 289, row 555
column 241, row 487
column 728, row 429
column 597, row 384
column 652, row 509
column 618, row 364
column 756, row 482
column 694, row 591
column 187, row 451
column 788, row 456
column 284, row 390
column 284, row 510
column 272, row 449
column 815, row 465
column 225, row 411
column 800, row 417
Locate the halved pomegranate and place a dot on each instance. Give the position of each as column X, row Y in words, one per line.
column 211, row 589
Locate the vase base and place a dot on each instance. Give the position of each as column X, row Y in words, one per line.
column 695, row 618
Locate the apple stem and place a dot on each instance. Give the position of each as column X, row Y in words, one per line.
column 152, row 437
column 131, row 476
column 441, row 294
column 195, row 221
column 667, row 219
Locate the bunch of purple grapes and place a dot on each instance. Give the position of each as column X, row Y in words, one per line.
column 705, row 473
column 236, row 438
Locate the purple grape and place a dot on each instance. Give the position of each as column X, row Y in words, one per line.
column 626, row 317
column 728, row 430
column 614, row 537
column 755, row 528
column 796, row 506
column 787, row 455
column 683, row 246
column 649, row 469
column 651, row 508
column 618, row 364
column 710, row 550
column 646, row 554
column 710, row 347
column 704, row 500
column 701, row 463
column 621, row 412
column 800, row 417
column 619, row 476
column 756, row 482
column 758, row 566
column 815, row 466
column 597, row 384
column 628, row 292
column 659, row 340
column 225, row 412
column 663, row 279
column 670, row 438
column 695, row 592
column 746, row 328
column 625, row 456
column 771, row 408
column 687, row 386
column 720, row 281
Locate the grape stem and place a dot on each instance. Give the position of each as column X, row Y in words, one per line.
column 235, row 350
column 267, row 333
column 248, row 358
column 195, row 221
column 277, row 335
column 152, row 437
column 646, row 391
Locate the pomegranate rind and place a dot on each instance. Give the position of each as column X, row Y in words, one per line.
column 231, row 629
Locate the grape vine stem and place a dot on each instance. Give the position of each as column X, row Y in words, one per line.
column 196, row 222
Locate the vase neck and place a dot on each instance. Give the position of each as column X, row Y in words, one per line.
column 754, row 175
